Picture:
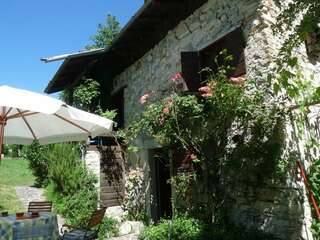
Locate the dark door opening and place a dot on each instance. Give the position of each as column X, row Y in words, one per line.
column 161, row 206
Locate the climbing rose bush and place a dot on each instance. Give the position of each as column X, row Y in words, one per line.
column 218, row 128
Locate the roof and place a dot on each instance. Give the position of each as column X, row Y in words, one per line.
column 145, row 29
column 75, row 65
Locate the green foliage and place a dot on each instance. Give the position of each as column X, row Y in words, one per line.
column 111, row 115
column 309, row 10
column 84, row 97
column 293, row 85
column 11, row 150
column 314, row 179
column 315, row 228
column 177, row 229
column 182, row 228
column 142, row 216
column 106, row 33
column 182, row 184
column 72, row 187
column 36, row 156
column 84, row 94
column 108, row 228
column 76, row 208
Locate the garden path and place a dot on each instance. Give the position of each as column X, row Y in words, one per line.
column 29, row 194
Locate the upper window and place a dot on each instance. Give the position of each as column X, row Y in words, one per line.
column 193, row 62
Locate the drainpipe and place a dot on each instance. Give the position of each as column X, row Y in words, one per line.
column 312, row 199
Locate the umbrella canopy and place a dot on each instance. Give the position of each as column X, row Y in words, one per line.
column 26, row 116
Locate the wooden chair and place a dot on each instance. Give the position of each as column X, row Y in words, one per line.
column 91, row 231
column 45, row 206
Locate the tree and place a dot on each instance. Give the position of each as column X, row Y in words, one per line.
column 106, row 33
column 84, row 95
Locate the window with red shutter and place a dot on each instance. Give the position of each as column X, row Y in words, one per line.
column 193, row 62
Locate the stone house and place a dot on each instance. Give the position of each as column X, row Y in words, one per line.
column 165, row 37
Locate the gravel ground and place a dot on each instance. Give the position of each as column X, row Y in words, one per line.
column 29, row 194
column 32, row 194
column 125, row 237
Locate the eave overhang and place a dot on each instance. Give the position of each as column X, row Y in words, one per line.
column 145, row 29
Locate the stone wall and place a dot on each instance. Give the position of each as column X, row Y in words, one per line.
column 92, row 162
column 206, row 25
column 279, row 207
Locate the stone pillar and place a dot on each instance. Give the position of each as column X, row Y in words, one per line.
column 92, row 163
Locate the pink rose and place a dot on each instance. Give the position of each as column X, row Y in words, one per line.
column 144, row 98
column 176, row 77
column 166, row 110
column 238, row 80
column 205, row 91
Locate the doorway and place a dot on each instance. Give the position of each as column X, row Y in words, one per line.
column 161, row 206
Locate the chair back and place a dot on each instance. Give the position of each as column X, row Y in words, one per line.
column 96, row 218
column 45, row 206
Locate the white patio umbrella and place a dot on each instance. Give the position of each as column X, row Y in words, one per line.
column 26, row 116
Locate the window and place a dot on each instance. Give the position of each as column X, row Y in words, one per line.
column 193, row 62
column 313, row 44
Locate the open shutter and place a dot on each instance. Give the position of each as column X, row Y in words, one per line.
column 190, row 62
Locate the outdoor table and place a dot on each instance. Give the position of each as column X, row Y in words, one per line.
column 44, row 227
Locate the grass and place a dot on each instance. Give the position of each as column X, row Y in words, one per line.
column 13, row 172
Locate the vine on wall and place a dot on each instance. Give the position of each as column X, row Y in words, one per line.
column 297, row 87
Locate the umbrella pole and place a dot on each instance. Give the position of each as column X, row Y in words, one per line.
column 3, row 120
column 2, row 124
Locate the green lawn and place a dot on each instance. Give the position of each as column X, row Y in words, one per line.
column 13, row 172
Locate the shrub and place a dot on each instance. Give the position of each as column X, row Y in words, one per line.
column 182, row 228
column 66, row 171
column 35, row 154
column 12, row 150
column 179, row 229
column 72, row 187
column 108, row 228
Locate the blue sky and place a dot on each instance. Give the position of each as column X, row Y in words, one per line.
column 31, row 29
